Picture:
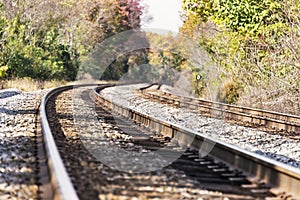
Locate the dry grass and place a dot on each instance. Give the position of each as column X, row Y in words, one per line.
column 28, row 84
column 278, row 100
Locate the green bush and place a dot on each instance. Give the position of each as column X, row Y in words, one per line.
column 49, row 39
column 38, row 55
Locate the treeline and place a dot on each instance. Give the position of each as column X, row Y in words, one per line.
column 255, row 44
column 48, row 39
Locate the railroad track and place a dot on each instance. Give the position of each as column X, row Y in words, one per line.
column 76, row 172
column 272, row 121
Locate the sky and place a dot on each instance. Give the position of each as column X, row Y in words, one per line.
column 165, row 13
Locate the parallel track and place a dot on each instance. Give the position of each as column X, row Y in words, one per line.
column 262, row 118
column 273, row 173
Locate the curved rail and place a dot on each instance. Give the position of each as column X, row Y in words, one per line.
column 278, row 175
column 275, row 120
column 60, row 181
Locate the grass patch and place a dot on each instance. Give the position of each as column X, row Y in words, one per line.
column 29, row 85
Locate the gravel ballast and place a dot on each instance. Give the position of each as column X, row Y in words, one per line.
column 88, row 138
column 18, row 147
column 277, row 147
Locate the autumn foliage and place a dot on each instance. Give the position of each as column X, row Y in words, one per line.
column 48, row 39
column 256, row 46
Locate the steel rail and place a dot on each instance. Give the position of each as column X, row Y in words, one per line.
column 280, row 176
column 60, row 180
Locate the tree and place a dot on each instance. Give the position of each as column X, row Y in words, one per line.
column 47, row 39
column 254, row 43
